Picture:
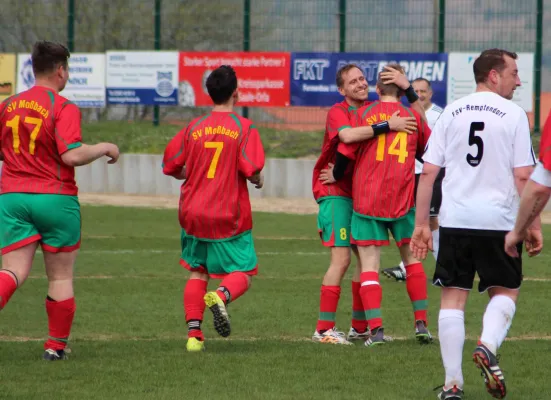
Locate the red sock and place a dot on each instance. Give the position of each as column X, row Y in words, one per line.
column 416, row 284
column 329, row 300
column 372, row 296
column 194, row 306
column 233, row 286
column 60, row 320
column 359, row 322
column 7, row 288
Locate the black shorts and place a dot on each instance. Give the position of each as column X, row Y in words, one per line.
column 464, row 252
column 436, row 200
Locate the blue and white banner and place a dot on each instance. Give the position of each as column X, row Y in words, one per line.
column 86, row 84
column 313, row 74
column 142, row 77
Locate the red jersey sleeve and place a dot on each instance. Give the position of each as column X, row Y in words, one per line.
column 545, row 145
column 67, row 128
column 348, row 150
column 174, row 158
column 338, row 119
column 423, row 134
column 251, row 153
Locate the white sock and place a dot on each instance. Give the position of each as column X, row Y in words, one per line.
column 451, row 332
column 403, row 267
column 497, row 321
column 435, row 243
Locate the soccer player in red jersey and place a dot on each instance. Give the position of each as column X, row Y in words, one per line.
column 41, row 144
column 383, row 200
column 216, row 154
column 335, row 201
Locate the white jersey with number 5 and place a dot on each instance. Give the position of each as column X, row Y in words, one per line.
column 479, row 139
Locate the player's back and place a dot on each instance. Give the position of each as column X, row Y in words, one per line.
column 483, row 137
column 215, row 199
column 30, row 124
column 384, row 178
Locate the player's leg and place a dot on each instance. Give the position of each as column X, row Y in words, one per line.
column 18, row 240
column 334, row 227
column 359, row 327
column 416, row 281
column 58, row 220
column 235, row 262
column 455, row 273
column 369, row 235
column 501, row 275
column 60, row 302
column 416, row 285
column 194, row 259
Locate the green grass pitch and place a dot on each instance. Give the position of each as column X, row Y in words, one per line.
column 128, row 339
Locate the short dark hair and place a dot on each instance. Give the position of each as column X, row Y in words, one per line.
column 221, row 84
column 48, row 56
column 491, row 59
column 343, row 70
column 390, row 89
column 423, row 80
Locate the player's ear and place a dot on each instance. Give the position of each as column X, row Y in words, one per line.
column 341, row 91
column 235, row 96
column 378, row 91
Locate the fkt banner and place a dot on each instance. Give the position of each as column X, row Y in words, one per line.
column 313, row 74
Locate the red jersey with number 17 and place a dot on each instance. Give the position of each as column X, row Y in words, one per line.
column 340, row 116
column 37, row 126
column 219, row 150
column 384, row 173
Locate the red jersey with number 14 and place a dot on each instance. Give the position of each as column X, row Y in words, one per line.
column 219, row 150
column 340, row 116
column 384, row 174
column 37, row 127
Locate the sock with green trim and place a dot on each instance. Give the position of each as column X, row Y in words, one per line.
column 372, row 297
column 359, row 323
column 60, row 320
column 416, row 284
column 329, row 300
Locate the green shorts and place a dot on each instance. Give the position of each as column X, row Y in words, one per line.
column 334, row 219
column 219, row 258
column 371, row 231
column 52, row 219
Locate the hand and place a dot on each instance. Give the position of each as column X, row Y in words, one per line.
column 326, row 175
column 511, row 241
column 257, row 180
column 391, row 75
column 112, row 151
column 421, row 242
column 533, row 242
column 399, row 124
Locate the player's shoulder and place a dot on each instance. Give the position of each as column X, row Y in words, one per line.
column 436, row 109
column 243, row 122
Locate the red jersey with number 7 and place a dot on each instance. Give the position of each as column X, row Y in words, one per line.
column 219, row 150
column 384, row 173
column 37, row 126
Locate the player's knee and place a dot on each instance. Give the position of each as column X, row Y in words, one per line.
column 60, row 289
column 199, row 275
column 340, row 259
column 453, row 298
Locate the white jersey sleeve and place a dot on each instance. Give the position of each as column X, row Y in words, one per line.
column 541, row 175
column 523, row 155
column 436, row 146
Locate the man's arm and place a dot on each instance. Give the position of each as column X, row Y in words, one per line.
column 535, row 193
column 361, row 133
column 424, row 193
column 174, row 158
column 85, row 154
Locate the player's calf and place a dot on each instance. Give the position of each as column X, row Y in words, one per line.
column 194, row 307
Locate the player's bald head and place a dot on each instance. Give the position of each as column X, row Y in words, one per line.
column 47, row 57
